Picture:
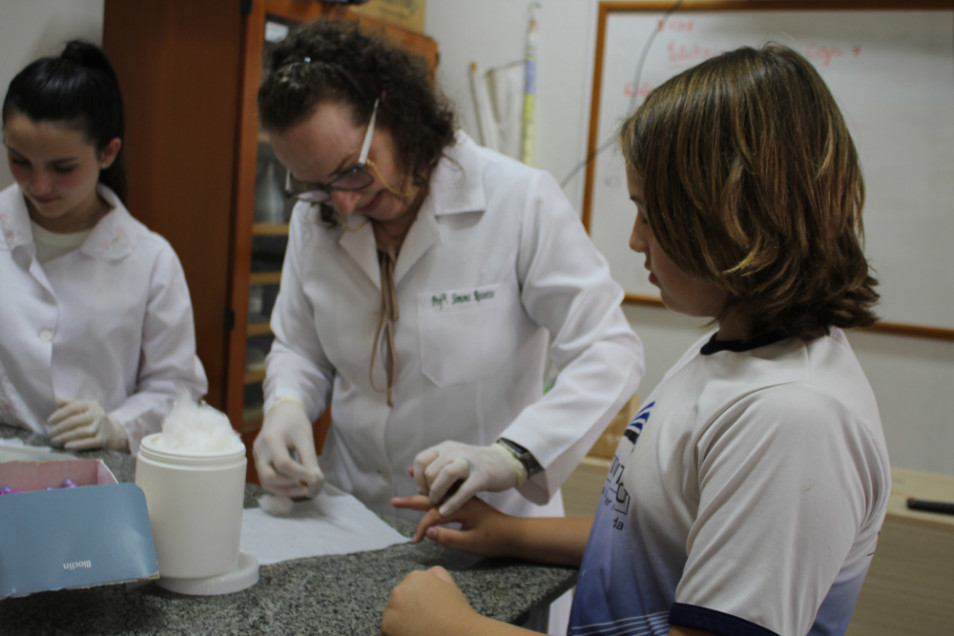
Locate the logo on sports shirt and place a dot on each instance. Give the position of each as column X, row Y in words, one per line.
column 614, row 493
column 636, row 424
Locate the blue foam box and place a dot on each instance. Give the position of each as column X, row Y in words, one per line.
column 95, row 534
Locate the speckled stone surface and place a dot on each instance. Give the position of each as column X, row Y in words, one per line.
column 339, row 594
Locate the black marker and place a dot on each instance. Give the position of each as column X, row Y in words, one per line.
column 931, row 506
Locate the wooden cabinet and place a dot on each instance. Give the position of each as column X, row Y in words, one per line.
column 202, row 173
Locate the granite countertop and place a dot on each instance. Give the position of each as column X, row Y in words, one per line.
column 337, row 594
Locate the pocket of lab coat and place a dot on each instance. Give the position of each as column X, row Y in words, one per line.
column 465, row 333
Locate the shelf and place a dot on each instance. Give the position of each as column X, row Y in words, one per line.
column 270, row 229
column 252, row 417
column 259, row 329
column 265, row 278
column 254, row 377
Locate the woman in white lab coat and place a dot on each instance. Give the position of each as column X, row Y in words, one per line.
column 97, row 336
column 425, row 283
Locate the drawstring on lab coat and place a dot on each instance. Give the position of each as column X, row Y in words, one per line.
column 389, row 313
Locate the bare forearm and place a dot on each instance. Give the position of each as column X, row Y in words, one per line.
column 486, row 531
column 554, row 540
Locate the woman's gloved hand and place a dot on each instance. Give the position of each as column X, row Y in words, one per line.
column 284, row 452
column 82, row 425
column 476, row 468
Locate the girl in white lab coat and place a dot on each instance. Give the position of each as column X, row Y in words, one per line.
column 425, row 283
column 98, row 334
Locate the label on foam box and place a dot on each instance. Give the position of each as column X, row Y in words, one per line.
column 95, row 534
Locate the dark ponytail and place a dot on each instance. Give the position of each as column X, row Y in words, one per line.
column 78, row 88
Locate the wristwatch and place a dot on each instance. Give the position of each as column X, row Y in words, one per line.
column 523, row 456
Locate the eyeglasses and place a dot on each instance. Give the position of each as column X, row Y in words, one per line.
column 356, row 178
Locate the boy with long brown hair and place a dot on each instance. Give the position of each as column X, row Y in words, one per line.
column 747, row 494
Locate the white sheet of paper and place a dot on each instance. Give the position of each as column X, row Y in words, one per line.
column 13, row 449
column 334, row 522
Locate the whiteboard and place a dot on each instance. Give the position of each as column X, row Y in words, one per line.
column 892, row 73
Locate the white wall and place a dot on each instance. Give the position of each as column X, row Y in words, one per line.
column 34, row 28
column 913, row 378
column 493, row 33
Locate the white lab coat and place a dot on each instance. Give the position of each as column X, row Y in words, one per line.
column 496, row 271
column 110, row 321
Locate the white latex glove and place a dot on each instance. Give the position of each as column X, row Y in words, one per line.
column 437, row 469
column 285, row 452
column 81, row 425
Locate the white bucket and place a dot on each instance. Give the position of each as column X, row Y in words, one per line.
column 195, row 504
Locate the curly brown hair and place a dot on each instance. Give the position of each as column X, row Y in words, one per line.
column 752, row 182
column 339, row 61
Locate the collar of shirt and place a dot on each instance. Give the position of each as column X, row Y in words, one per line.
column 112, row 238
column 457, row 184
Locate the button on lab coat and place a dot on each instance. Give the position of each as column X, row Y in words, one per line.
column 495, row 273
column 110, row 321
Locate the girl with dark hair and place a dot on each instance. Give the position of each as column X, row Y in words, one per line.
column 98, row 334
column 746, row 495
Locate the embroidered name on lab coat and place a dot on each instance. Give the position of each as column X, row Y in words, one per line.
column 446, row 300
